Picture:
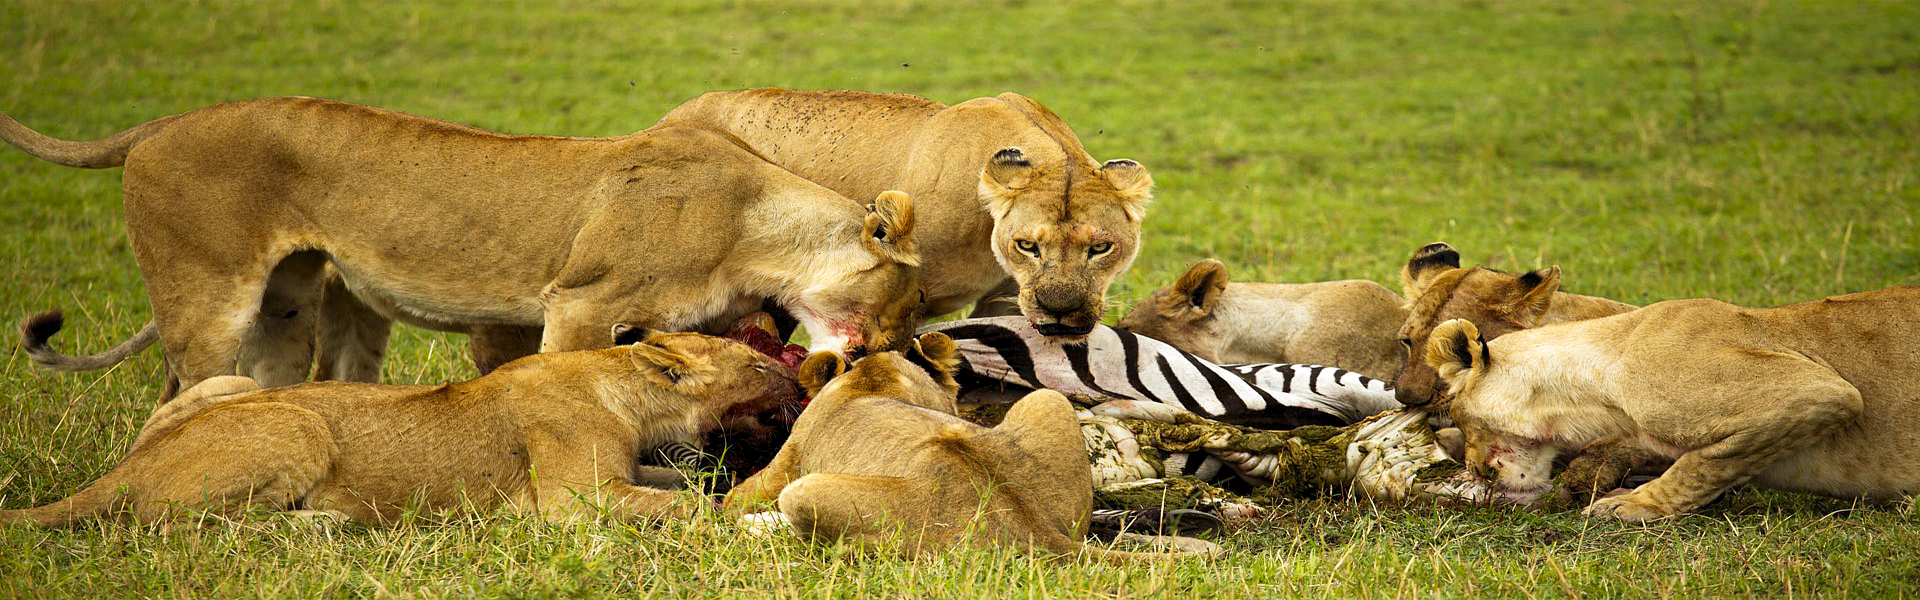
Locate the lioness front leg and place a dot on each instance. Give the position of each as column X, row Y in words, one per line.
column 1703, row 474
column 761, row 488
column 590, row 471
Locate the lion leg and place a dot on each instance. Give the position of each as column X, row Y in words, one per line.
column 495, row 345
column 762, row 487
column 1000, row 301
column 590, row 471
column 352, row 336
column 278, row 349
column 1602, row 465
column 1705, row 473
column 832, row 507
column 265, row 453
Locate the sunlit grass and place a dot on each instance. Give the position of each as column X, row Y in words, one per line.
column 1759, row 152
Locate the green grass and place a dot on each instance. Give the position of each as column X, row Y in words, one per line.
column 1759, row 152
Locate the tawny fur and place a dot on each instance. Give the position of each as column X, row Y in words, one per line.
column 234, row 210
column 1817, row 397
column 554, row 434
column 1437, row 289
column 1351, row 324
column 988, row 177
column 880, row 455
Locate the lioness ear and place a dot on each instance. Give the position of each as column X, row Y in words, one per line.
column 1456, row 352
column 624, row 334
column 819, row 369
column 939, row 356
column 1536, row 295
column 669, row 368
column 888, row 228
column 1430, row 260
column 1202, row 284
column 1006, row 172
column 1132, row 182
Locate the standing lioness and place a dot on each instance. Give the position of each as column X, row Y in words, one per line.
column 996, row 180
column 553, row 434
column 1819, row 397
column 234, row 209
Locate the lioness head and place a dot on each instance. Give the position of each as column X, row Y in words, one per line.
column 1064, row 230
column 1522, row 468
column 1182, row 315
column 922, row 374
column 1438, row 290
column 878, row 307
column 740, row 389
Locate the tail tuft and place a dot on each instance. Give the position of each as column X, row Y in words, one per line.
column 36, row 330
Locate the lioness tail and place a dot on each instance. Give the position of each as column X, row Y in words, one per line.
column 36, row 330
column 110, row 151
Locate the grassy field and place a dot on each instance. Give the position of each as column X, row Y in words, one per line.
column 1758, row 152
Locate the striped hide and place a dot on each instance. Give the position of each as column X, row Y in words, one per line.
column 1118, row 364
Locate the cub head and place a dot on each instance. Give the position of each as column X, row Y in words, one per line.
column 922, row 374
column 1521, row 468
column 1064, row 228
column 878, row 306
column 740, row 389
column 1438, row 290
column 1182, row 315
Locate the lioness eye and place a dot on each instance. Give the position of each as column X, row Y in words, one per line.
column 1099, row 249
column 1027, row 246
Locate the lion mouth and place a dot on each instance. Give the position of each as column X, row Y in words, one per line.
column 1058, row 329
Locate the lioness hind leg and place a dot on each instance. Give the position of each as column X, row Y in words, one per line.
column 278, row 349
column 832, row 507
column 1759, row 441
column 268, row 454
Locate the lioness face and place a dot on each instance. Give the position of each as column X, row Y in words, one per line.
column 1064, row 231
column 1182, row 315
column 1438, row 290
column 878, row 307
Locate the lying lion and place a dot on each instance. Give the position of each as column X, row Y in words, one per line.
column 234, row 210
column 1349, row 324
column 1818, row 397
column 879, row 455
column 1437, row 290
column 1012, row 199
column 553, row 434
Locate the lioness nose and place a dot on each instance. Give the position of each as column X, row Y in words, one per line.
column 1060, row 304
column 1407, row 397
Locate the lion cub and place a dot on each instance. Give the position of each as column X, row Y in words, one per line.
column 556, row 434
column 1820, row 397
column 879, row 453
column 1349, row 324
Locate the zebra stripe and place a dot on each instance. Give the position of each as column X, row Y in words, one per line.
column 1120, row 364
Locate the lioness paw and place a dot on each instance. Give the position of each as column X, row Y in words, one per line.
column 1630, row 507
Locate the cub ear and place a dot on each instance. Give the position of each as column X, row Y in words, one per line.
column 1457, row 352
column 1005, row 174
column 1535, row 295
column 939, row 356
column 1201, row 286
column 1132, row 182
column 888, row 228
column 624, row 334
column 819, row 369
column 1430, row 260
column 671, row 369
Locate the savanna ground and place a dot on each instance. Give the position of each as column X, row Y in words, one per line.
column 1758, row 152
